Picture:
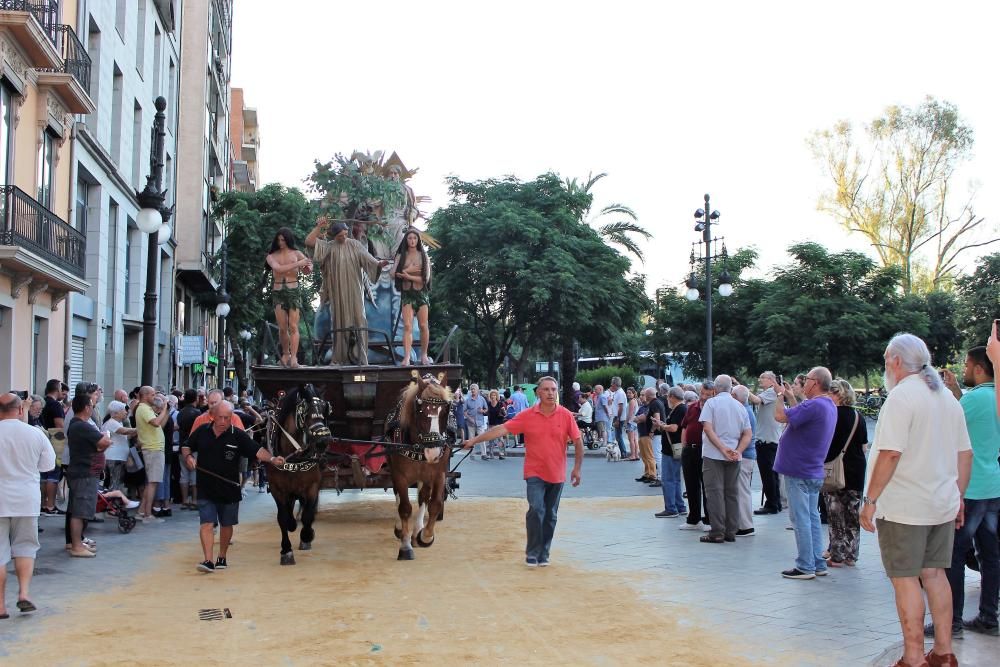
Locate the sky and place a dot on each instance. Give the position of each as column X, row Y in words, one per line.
column 672, row 100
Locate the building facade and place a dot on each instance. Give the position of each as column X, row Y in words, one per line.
column 246, row 143
column 134, row 48
column 45, row 76
column 203, row 139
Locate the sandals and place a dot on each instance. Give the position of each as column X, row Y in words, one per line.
column 712, row 539
column 26, row 606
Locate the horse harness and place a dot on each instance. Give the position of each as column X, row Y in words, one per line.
column 415, row 450
column 311, row 429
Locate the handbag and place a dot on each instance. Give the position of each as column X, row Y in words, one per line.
column 676, row 448
column 834, row 478
column 57, row 438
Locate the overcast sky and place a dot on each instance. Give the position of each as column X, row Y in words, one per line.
column 672, row 100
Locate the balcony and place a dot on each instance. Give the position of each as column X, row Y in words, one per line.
column 32, row 23
column 37, row 246
column 71, row 77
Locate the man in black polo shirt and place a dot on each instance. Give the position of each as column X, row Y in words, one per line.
column 52, row 417
column 219, row 446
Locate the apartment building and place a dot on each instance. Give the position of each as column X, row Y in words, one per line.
column 203, row 139
column 45, row 82
column 134, row 49
column 246, row 143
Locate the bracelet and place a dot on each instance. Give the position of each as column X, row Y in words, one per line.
column 869, row 501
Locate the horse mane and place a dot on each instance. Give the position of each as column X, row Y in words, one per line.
column 287, row 405
column 408, row 399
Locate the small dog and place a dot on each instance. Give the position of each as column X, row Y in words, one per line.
column 612, row 452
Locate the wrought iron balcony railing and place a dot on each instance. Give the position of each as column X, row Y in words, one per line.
column 46, row 12
column 27, row 223
column 76, row 60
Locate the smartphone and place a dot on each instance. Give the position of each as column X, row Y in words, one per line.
column 781, row 381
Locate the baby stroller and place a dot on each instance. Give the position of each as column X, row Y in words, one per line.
column 114, row 505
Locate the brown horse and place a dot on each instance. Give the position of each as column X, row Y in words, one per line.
column 298, row 432
column 420, row 422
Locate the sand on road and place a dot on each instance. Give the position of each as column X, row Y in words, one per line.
column 469, row 599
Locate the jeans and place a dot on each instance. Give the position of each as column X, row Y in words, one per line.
column 746, row 495
column 803, row 506
column 691, row 465
column 543, row 506
column 980, row 529
column 766, row 451
column 722, row 482
column 673, row 496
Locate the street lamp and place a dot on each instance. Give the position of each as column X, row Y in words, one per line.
column 704, row 225
column 222, row 310
column 153, row 215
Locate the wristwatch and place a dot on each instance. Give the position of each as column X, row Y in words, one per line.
column 868, row 501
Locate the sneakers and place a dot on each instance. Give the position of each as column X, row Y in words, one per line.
column 979, row 625
column 543, row 562
column 530, row 561
column 689, row 526
column 206, row 566
column 956, row 629
column 160, row 512
column 666, row 514
column 644, row 478
column 764, row 510
column 655, row 484
column 706, row 528
column 796, row 573
column 132, row 504
column 745, row 532
column 220, row 563
column 49, row 511
column 822, row 573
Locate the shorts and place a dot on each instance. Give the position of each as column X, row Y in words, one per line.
column 415, row 298
column 907, row 549
column 631, row 428
column 18, row 538
column 287, row 298
column 155, row 462
column 52, row 476
column 224, row 514
column 602, row 427
column 188, row 476
column 82, row 497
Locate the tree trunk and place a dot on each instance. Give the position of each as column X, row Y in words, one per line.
column 567, row 370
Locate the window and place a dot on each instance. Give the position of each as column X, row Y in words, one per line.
column 46, row 162
column 132, row 237
column 94, row 51
column 82, row 198
column 136, row 144
column 157, row 59
column 140, row 38
column 6, row 133
column 112, row 260
column 172, row 98
column 117, row 88
column 120, row 11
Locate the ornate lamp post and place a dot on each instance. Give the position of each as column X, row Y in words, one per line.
column 704, row 225
column 153, row 217
column 222, row 310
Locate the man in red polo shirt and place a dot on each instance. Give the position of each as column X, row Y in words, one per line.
column 546, row 427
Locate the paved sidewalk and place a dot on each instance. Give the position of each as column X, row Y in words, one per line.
column 846, row 618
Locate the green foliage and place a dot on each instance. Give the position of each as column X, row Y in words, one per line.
column 516, row 264
column 251, row 221
column 943, row 337
column 893, row 185
column 979, row 300
column 364, row 185
column 603, row 375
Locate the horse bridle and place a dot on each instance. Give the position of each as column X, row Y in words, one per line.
column 310, row 420
column 430, row 440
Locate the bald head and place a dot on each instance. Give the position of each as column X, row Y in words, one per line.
column 10, row 406
column 222, row 415
column 146, row 395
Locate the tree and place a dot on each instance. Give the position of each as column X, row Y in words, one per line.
column 516, row 266
column 943, row 337
column 829, row 309
column 894, row 186
column 618, row 232
column 979, row 300
column 251, row 221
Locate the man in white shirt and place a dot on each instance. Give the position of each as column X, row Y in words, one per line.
column 726, row 434
column 25, row 452
column 918, row 471
column 618, row 410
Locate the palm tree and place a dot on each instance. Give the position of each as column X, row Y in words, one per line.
column 618, row 232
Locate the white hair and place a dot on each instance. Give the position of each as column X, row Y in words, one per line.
column 915, row 358
column 677, row 394
column 576, row 386
column 741, row 394
column 690, row 397
column 723, row 384
column 115, row 406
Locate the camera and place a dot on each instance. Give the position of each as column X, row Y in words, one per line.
column 23, row 395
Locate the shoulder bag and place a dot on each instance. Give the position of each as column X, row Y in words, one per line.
column 834, row 478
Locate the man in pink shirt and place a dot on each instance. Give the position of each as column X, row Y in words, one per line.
column 547, row 427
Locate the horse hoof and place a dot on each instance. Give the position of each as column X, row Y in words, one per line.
column 420, row 540
column 305, row 546
column 398, row 533
column 288, row 559
column 405, row 554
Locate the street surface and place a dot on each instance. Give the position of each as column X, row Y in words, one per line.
column 730, row 599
